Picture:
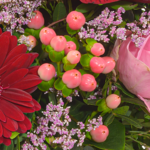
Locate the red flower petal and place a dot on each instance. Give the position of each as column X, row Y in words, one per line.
column 27, row 123
column 26, row 109
column 6, row 33
column 1, row 130
column 14, row 77
column 33, row 70
column 6, row 133
column 34, row 55
column 27, row 82
column 20, row 49
column 13, row 43
column 2, row 116
column 16, row 94
column 4, row 44
column 11, row 111
column 0, row 31
column 6, row 141
column 37, row 106
column 21, row 128
column 10, row 124
column 31, row 90
column 1, row 140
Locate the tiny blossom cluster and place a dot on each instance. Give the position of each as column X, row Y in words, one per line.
column 15, row 13
column 25, row 40
column 140, row 29
column 53, row 125
column 97, row 28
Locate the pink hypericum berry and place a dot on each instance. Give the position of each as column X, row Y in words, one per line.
column 46, row 71
column 74, row 56
column 75, row 20
column 109, row 64
column 46, row 35
column 72, row 78
column 69, row 47
column 37, row 21
column 113, row 101
column 97, row 49
column 88, row 83
column 58, row 43
column 32, row 40
column 100, row 134
column 97, row 64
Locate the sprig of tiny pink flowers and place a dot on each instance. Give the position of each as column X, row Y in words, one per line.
column 16, row 13
column 97, row 28
column 54, row 123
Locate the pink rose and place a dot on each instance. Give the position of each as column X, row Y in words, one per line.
column 133, row 65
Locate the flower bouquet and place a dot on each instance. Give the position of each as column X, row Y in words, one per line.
column 74, row 75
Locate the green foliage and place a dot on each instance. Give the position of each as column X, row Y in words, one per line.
column 14, row 135
column 59, row 85
column 33, row 32
column 45, row 85
column 115, row 139
column 84, row 8
column 59, row 12
column 70, row 31
column 66, row 91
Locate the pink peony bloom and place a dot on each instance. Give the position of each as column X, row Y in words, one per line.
column 133, row 65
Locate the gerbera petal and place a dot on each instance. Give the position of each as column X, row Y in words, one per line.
column 2, row 116
column 31, row 90
column 0, row 31
column 33, row 56
column 33, row 70
column 4, row 45
column 1, row 140
column 21, row 128
column 6, row 141
column 26, row 109
column 6, row 133
column 22, row 103
column 20, row 49
column 14, row 77
column 6, row 33
column 11, row 111
column 27, row 82
column 37, row 106
column 10, row 124
column 16, row 94
column 1, row 130
column 18, row 63
column 13, row 42
column 27, row 123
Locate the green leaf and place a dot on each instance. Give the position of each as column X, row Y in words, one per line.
column 90, row 102
column 59, row 12
column 90, row 41
column 121, row 110
column 59, row 85
column 119, row 86
column 14, row 135
column 45, row 85
column 76, row 42
column 10, row 147
column 115, row 139
column 68, row 38
column 54, row 55
column 128, row 147
column 135, row 101
column 69, row 66
column 130, row 120
column 84, row 8
column 66, row 91
column 70, row 31
column 125, row 5
column 85, row 60
column 52, row 98
column 33, row 32
column 109, row 119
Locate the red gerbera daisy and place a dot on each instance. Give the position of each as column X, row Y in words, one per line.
column 17, row 81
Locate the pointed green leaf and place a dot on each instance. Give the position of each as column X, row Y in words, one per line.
column 121, row 110
column 59, row 85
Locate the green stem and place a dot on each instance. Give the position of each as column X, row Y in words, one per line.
column 18, row 142
column 66, row 104
column 70, row 5
column 58, row 68
column 39, row 97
